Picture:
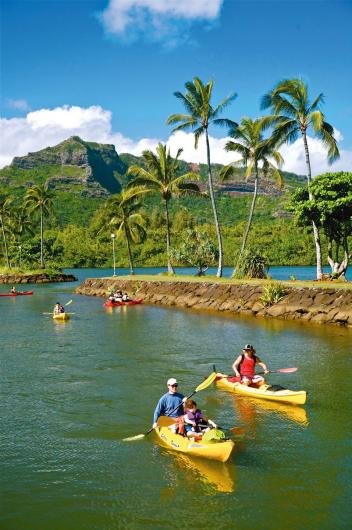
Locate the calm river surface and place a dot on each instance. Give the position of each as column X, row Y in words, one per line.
column 71, row 391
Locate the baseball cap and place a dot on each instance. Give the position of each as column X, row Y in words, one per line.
column 248, row 347
column 172, row 381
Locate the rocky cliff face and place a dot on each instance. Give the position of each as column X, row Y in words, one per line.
column 99, row 163
column 317, row 305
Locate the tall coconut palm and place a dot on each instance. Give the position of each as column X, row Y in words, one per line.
column 255, row 152
column 39, row 201
column 201, row 114
column 161, row 176
column 121, row 214
column 5, row 208
column 294, row 115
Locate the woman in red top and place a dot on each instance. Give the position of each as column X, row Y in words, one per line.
column 244, row 367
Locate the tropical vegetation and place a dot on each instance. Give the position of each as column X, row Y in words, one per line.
column 158, row 209
column 201, row 114
column 161, row 177
column 294, row 114
column 255, row 154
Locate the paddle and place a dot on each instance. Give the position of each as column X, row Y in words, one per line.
column 208, row 381
column 279, row 371
column 53, row 313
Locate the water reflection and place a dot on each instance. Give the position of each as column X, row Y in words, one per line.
column 247, row 410
column 216, row 476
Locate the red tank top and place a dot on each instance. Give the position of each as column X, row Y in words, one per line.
column 248, row 366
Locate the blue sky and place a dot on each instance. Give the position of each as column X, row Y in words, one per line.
column 94, row 68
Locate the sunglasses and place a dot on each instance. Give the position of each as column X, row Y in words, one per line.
column 174, row 385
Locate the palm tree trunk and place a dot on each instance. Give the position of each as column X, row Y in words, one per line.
column 41, row 239
column 315, row 228
column 170, row 268
column 249, row 223
column 5, row 242
column 213, row 204
column 128, row 248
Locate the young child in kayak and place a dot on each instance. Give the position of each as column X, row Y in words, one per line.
column 195, row 423
column 244, row 367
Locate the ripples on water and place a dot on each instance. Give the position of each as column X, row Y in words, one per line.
column 71, row 391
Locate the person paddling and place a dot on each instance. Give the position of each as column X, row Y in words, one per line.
column 244, row 367
column 13, row 290
column 58, row 309
column 169, row 402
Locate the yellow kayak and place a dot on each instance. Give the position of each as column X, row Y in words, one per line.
column 61, row 316
column 293, row 397
column 214, row 451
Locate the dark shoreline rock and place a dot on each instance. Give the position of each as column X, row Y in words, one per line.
column 36, row 278
column 307, row 304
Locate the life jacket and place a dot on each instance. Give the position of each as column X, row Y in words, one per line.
column 197, row 417
column 247, row 365
column 180, row 422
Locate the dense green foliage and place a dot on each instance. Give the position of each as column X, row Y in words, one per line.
column 330, row 207
column 195, row 250
column 74, row 237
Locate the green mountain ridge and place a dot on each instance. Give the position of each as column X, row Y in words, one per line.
column 84, row 174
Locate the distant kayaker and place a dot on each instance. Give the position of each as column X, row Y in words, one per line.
column 244, row 367
column 58, row 309
column 195, row 423
column 168, row 402
column 13, row 290
column 126, row 298
column 118, row 296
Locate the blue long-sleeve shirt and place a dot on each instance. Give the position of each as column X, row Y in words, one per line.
column 166, row 405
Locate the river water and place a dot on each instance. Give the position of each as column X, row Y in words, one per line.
column 71, row 391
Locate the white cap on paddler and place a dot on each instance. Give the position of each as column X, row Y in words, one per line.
column 171, row 381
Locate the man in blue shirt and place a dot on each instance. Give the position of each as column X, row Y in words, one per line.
column 168, row 402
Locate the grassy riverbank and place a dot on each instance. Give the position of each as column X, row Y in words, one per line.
column 231, row 281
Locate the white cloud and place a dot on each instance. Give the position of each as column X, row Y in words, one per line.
column 295, row 158
column 48, row 127
column 18, row 104
column 160, row 20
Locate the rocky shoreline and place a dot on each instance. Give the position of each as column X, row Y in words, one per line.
column 36, row 278
column 317, row 305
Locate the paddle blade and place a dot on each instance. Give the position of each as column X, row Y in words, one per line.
column 133, row 438
column 69, row 302
column 286, row 370
column 166, row 421
column 209, row 380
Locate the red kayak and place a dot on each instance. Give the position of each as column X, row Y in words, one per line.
column 110, row 303
column 20, row 293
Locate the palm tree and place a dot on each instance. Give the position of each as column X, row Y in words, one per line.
column 294, row 115
column 161, row 176
column 121, row 214
column 39, row 199
column 201, row 114
column 254, row 151
column 5, row 205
